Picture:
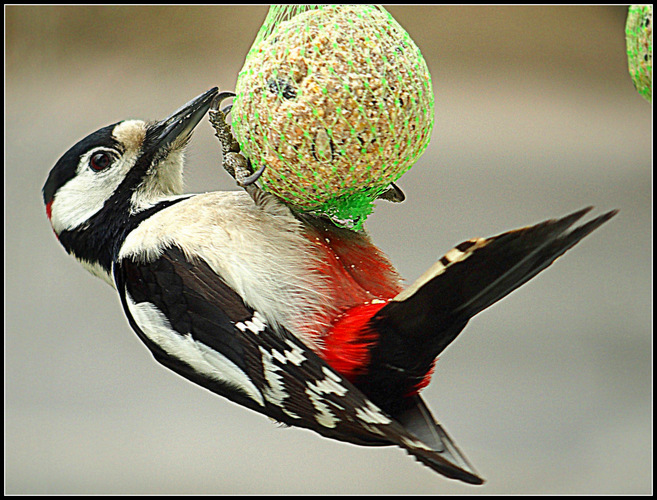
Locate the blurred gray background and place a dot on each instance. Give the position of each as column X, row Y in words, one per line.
column 549, row 391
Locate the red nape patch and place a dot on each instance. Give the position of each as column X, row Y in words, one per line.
column 346, row 343
column 49, row 209
column 49, row 214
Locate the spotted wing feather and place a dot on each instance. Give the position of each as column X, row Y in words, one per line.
column 200, row 328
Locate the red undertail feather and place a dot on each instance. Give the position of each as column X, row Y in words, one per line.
column 363, row 280
column 346, row 346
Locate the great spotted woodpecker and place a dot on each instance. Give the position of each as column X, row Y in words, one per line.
column 283, row 313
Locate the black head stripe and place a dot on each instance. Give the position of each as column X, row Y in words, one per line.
column 66, row 167
column 101, row 239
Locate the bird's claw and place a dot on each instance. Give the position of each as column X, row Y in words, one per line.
column 252, row 178
column 234, row 162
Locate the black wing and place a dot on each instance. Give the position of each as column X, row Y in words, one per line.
column 196, row 325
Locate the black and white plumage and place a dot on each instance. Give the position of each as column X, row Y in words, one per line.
column 282, row 313
column 197, row 326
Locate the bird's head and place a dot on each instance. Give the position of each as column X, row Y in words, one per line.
column 100, row 187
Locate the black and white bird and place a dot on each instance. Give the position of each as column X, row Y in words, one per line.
column 280, row 312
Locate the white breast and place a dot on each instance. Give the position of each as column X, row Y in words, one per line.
column 261, row 255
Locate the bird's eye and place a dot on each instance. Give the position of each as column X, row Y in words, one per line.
column 100, row 161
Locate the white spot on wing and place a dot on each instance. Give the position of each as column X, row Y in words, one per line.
column 372, row 415
column 317, row 391
column 295, row 356
column 329, row 385
column 323, row 416
column 255, row 325
column 275, row 393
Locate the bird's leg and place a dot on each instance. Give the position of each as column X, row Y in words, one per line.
column 234, row 161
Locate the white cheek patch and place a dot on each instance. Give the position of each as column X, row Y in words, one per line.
column 86, row 193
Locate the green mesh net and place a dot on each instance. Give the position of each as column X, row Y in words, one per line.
column 638, row 33
column 337, row 101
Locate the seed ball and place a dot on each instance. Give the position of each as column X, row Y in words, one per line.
column 638, row 33
column 338, row 103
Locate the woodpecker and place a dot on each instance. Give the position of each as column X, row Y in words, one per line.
column 283, row 313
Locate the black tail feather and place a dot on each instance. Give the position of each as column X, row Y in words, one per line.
column 484, row 272
column 524, row 253
column 418, row 324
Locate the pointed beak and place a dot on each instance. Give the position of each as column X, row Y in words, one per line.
column 180, row 125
